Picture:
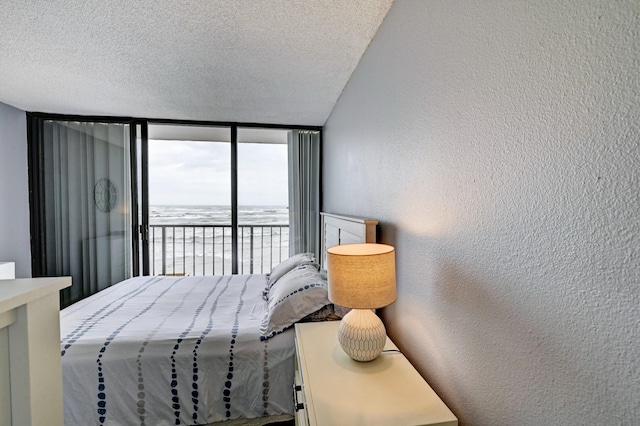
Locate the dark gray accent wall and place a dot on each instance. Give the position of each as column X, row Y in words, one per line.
column 497, row 142
column 14, row 191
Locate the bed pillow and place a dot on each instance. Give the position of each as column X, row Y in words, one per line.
column 287, row 265
column 300, row 292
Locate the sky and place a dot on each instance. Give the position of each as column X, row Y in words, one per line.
column 199, row 173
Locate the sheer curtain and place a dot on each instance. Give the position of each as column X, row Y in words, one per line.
column 304, row 192
column 87, row 185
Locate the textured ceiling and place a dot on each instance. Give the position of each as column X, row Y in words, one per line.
column 281, row 62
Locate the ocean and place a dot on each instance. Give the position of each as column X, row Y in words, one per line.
column 196, row 240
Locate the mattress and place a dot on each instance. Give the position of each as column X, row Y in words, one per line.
column 174, row 351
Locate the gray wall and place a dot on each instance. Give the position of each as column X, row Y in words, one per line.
column 498, row 144
column 14, row 190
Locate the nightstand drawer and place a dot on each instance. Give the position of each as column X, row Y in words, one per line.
column 299, row 403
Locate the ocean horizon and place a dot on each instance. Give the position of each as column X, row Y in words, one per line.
column 217, row 214
column 199, row 242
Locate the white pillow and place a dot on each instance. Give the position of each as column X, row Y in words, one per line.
column 286, row 265
column 300, row 292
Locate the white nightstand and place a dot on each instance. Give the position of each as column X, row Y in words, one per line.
column 332, row 389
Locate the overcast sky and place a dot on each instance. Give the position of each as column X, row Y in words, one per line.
column 198, row 173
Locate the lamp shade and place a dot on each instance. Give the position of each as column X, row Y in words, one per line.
column 361, row 276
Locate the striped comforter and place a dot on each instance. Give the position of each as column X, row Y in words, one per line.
column 173, row 350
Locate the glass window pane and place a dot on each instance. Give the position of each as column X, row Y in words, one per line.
column 87, row 204
column 190, row 200
column 263, row 215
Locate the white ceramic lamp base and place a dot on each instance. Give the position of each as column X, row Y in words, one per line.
column 362, row 335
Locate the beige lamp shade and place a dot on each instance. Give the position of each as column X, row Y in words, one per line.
column 361, row 276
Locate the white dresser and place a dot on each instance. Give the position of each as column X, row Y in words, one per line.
column 332, row 389
column 30, row 366
column 7, row 270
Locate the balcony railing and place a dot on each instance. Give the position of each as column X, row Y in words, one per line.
column 206, row 249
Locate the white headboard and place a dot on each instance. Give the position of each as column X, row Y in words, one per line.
column 338, row 230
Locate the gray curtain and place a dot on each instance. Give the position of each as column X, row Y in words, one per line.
column 87, row 197
column 304, row 192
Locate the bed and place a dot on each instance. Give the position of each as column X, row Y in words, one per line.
column 195, row 350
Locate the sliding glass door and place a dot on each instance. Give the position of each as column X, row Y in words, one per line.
column 216, row 197
column 82, row 203
column 263, row 207
column 188, row 200
column 113, row 198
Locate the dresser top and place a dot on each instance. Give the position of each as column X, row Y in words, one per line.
column 14, row 293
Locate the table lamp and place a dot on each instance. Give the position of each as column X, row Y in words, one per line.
column 362, row 277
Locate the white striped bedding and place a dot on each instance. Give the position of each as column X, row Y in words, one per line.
column 174, row 351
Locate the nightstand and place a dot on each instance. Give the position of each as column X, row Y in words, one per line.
column 332, row 389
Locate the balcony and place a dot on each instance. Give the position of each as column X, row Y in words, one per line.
column 195, row 249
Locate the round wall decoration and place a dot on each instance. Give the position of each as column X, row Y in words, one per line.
column 105, row 195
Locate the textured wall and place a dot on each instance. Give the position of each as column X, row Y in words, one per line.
column 14, row 190
column 498, row 144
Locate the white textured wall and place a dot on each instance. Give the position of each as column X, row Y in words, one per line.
column 498, row 142
column 14, row 190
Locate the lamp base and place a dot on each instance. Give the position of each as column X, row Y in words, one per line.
column 362, row 335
